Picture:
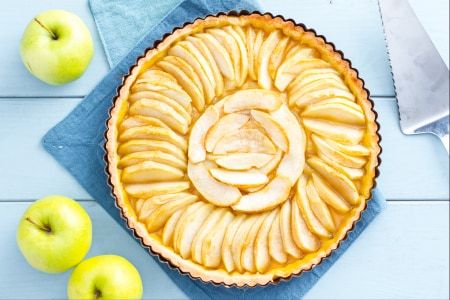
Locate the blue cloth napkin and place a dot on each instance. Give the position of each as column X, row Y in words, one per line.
column 77, row 141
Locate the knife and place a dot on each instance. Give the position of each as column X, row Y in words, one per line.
column 421, row 78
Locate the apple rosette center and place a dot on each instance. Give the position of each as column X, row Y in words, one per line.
column 246, row 151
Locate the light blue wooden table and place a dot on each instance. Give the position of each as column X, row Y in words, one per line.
column 404, row 253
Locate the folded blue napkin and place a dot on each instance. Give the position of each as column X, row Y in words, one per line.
column 127, row 28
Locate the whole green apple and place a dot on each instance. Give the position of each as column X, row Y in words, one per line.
column 105, row 277
column 56, row 47
column 54, row 234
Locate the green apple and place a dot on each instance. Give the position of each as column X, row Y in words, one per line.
column 54, row 234
column 56, row 47
column 105, row 277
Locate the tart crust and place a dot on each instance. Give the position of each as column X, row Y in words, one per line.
column 314, row 157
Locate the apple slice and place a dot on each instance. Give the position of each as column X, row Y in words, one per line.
column 230, row 44
column 277, row 56
column 276, row 248
column 197, row 151
column 213, row 241
column 253, row 99
column 155, row 156
column 188, row 225
column 138, row 145
column 240, row 240
column 291, row 165
column 136, row 121
column 220, row 55
column 237, row 34
column 161, row 214
column 197, row 242
column 194, row 58
column 239, row 179
column 171, row 113
column 302, row 99
column 204, row 50
column 273, row 163
column 305, row 208
column 250, row 36
column 227, row 254
column 149, row 171
column 339, row 132
column 168, row 89
column 353, row 150
column 329, row 195
column 154, row 133
column 337, row 180
column 261, row 246
column 187, row 78
column 156, row 75
column 244, row 140
column 147, row 190
column 286, row 230
column 274, row 193
column 301, row 234
column 248, row 246
column 228, row 123
column 337, row 156
column 352, row 173
column 216, row 192
column 319, row 207
column 336, row 109
column 264, row 54
column 242, row 161
column 274, row 130
column 291, row 66
column 145, row 207
column 323, row 70
column 169, row 228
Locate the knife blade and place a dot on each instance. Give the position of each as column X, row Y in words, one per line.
column 421, row 78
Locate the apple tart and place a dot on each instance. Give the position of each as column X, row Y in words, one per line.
column 242, row 148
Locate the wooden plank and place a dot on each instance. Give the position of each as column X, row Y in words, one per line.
column 405, row 244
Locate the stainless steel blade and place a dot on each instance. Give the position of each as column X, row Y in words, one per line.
column 421, row 77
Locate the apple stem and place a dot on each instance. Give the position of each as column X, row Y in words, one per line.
column 46, row 228
column 98, row 294
column 54, row 36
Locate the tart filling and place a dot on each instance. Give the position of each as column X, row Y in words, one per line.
column 242, row 149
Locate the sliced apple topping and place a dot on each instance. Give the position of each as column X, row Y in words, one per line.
column 264, row 54
column 196, row 150
column 261, row 245
column 216, row 192
column 292, row 66
column 244, row 140
column 154, row 133
column 187, row 78
column 273, row 194
column 136, row 121
column 339, row 132
column 156, row 220
column 228, row 123
column 213, row 241
column 336, row 109
column 253, row 99
column 301, row 234
column 274, row 130
column 220, row 54
column 230, row 232
column 146, row 190
column 276, row 248
column 140, row 145
column 173, row 116
column 243, row 161
column 155, row 156
column 286, row 230
column 339, row 181
column 239, row 179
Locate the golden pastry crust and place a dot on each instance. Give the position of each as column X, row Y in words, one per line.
column 242, row 149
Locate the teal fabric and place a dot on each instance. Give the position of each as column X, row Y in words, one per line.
column 77, row 141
